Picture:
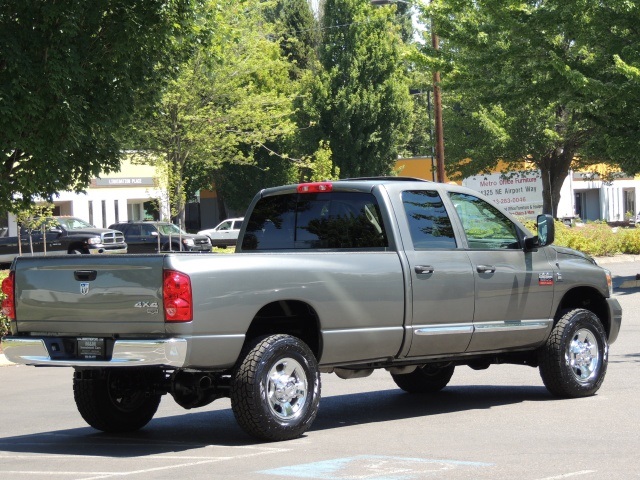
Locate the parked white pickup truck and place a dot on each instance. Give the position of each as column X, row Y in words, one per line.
column 346, row 277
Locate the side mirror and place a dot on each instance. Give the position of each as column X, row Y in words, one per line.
column 154, row 234
column 546, row 230
column 546, row 233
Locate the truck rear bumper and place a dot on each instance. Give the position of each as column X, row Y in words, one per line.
column 170, row 352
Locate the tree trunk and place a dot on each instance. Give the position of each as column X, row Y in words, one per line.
column 222, row 211
column 554, row 169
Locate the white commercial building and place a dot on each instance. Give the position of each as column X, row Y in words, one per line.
column 587, row 197
column 134, row 193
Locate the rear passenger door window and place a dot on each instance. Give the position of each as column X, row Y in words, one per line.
column 428, row 221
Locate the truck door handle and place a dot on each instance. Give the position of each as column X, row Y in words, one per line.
column 485, row 269
column 422, row 269
column 85, row 275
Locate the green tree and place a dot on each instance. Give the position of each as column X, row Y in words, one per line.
column 287, row 158
column 231, row 98
column 362, row 96
column 71, row 74
column 34, row 218
column 545, row 82
column 298, row 33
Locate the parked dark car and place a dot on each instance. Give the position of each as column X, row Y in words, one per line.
column 61, row 235
column 151, row 237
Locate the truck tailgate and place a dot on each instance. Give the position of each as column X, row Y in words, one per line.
column 87, row 294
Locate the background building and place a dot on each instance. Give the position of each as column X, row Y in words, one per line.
column 584, row 195
column 134, row 193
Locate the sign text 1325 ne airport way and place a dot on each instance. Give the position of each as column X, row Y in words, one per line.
column 519, row 193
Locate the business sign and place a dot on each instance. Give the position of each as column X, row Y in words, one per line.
column 124, row 182
column 519, row 193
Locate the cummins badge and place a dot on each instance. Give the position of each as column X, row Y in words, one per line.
column 545, row 278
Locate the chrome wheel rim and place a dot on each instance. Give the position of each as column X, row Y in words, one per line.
column 287, row 389
column 583, row 355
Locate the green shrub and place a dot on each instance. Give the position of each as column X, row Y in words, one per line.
column 596, row 238
column 630, row 240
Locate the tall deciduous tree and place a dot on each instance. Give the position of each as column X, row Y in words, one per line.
column 71, row 74
column 283, row 159
column 549, row 82
column 229, row 100
column 363, row 102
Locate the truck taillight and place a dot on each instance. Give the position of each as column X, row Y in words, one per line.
column 316, row 187
column 9, row 302
column 176, row 296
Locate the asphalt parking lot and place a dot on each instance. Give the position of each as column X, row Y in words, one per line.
column 498, row 423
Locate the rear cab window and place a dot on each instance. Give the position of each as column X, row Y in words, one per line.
column 327, row 220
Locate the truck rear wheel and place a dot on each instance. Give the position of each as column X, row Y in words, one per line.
column 112, row 400
column 425, row 379
column 573, row 362
column 275, row 390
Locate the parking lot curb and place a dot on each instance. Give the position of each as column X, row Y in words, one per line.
column 617, row 259
column 4, row 362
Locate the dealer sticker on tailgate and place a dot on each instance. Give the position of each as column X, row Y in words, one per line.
column 90, row 348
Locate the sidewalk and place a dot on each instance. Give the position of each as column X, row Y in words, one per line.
column 622, row 258
column 4, row 362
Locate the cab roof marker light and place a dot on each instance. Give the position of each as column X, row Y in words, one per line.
column 316, row 187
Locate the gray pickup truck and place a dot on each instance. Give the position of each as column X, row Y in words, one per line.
column 336, row 277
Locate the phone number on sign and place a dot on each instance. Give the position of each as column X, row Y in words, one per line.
column 510, row 200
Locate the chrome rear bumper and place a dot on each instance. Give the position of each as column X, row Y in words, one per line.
column 171, row 352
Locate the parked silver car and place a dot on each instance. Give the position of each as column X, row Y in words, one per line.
column 225, row 234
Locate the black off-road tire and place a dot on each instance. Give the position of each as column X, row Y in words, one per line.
column 573, row 362
column 275, row 390
column 110, row 401
column 424, row 379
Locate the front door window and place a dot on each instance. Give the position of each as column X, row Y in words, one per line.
column 485, row 227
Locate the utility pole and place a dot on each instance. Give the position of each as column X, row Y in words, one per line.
column 437, row 109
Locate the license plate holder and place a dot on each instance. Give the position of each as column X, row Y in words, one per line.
column 90, row 348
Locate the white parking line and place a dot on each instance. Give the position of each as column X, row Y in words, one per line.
column 568, row 475
column 96, row 475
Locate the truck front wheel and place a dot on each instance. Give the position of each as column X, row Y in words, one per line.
column 573, row 362
column 425, row 379
column 275, row 390
column 115, row 400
